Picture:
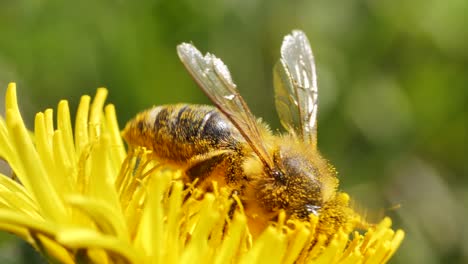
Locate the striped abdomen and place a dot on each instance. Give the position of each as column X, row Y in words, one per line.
column 180, row 132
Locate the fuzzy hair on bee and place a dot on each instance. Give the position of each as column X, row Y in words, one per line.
column 227, row 144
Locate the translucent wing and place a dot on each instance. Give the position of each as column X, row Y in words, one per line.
column 295, row 83
column 215, row 80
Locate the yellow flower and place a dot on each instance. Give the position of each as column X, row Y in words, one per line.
column 78, row 197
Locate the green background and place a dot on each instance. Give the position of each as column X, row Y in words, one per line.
column 393, row 75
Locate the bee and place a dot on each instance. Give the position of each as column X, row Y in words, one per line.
column 227, row 144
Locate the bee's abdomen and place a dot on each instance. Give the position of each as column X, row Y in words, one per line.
column 180, row 132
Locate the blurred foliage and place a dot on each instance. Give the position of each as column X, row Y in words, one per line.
column 392, row 79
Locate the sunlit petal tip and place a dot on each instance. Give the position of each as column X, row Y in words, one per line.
column 10, row 98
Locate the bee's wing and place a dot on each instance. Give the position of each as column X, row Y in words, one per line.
column 215, row 80
column 295, row 83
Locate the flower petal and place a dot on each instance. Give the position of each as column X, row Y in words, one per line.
column 89, row 239
column 103, row 215
column 31, row 171
column 64, row 125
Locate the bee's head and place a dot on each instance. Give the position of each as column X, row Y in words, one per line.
column 300, row 183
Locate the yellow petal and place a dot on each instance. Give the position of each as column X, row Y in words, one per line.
column 106, row 218
column 64, row 125
column 81, row 125
column 31, row 171
column 86, row 238
column 118, row 149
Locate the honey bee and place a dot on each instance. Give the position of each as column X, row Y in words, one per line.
column 229, row 145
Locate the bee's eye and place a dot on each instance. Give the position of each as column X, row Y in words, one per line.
column 279, row 176
column 312, row 209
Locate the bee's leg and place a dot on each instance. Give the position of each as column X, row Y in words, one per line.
column 234, row 204
column 225, row 167
column 203, row 166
